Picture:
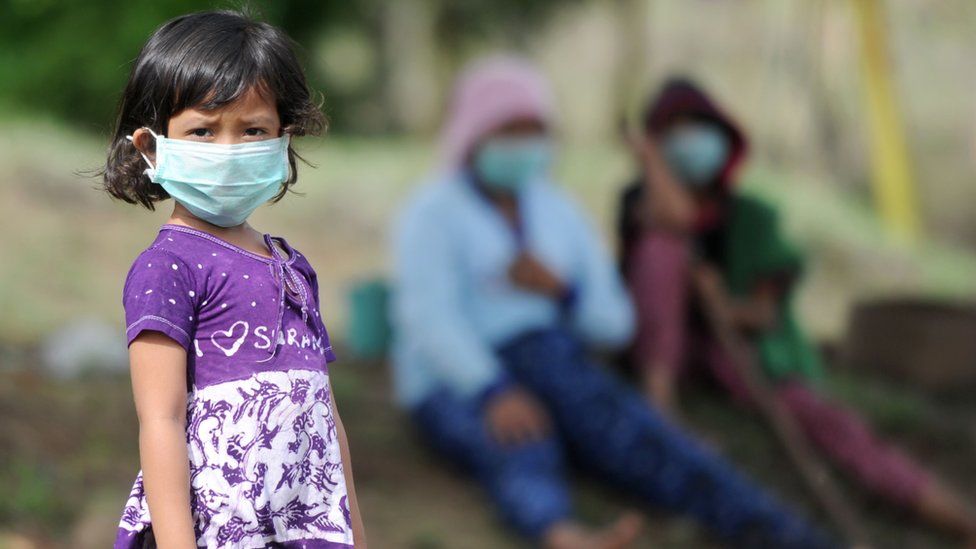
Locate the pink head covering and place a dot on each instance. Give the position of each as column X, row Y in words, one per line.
column 490, row 93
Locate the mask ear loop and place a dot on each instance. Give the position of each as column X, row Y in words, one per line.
column 151, row 168
column 286, row 147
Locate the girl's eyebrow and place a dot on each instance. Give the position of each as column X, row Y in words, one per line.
column 258, row 119
column 199, row 117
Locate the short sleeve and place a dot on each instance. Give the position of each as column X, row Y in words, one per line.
column 160, row 295
column 313, row 283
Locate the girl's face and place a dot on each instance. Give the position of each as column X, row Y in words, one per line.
column 253, row 117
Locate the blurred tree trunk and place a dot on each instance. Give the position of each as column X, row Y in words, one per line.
column 409, row 76
column 832, row 142
column 633, row 63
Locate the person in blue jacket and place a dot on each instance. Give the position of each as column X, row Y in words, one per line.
column 501, row 289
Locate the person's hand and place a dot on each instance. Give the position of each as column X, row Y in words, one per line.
column 667, row 204
column 708, row 281
column 641, row 144
column 634, row 140
column 515, row 417
column 710, row 288
column 760, row 311
column 529, row 273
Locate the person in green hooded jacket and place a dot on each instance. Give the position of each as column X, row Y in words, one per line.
column 692, row 244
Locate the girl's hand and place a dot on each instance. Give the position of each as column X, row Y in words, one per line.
column 515, row 417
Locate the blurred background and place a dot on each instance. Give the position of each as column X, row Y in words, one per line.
column 862, row 119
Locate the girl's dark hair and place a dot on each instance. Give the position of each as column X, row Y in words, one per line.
column 205, row 60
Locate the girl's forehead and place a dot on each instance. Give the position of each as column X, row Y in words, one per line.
column 254, row 104
column 256, row 97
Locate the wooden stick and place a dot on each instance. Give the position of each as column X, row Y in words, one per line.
column 815, row 474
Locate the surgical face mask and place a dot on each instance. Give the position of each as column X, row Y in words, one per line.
column 220, row 184
column 696, row 152
column 510, row 163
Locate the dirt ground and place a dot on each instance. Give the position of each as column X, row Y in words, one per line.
column 68, row 455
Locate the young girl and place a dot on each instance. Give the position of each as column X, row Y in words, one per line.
column 240, row 441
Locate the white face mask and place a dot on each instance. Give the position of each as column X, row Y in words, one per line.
column 220, row 184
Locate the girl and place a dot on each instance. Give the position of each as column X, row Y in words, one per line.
column 240, row 441
column 687, row 233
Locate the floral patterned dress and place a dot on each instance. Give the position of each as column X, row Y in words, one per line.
column 265, row 465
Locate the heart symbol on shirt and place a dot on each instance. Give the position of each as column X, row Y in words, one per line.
column 229, row 333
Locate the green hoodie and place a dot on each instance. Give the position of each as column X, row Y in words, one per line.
column 756, row 251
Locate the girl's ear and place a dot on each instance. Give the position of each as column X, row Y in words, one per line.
column 145, row 143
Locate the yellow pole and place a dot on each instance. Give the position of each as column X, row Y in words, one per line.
column 891, row 176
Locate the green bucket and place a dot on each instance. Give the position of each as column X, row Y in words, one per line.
column 369, row 332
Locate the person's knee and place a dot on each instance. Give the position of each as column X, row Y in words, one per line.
column 529, row 486
column 663, row 248
column 544, row 454
column 658, row 272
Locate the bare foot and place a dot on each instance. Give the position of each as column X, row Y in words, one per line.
column 618, row 535
column 623, row 532
column 942, row 507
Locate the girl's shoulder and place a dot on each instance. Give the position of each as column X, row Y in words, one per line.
column 161, row 292
column 202, row 253
column 172, row 254
column 163, row 254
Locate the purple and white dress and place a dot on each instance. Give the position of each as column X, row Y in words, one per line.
column 265, row 466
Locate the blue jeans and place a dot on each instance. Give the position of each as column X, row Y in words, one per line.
column 609, row 429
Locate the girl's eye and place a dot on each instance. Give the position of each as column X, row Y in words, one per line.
column 252, row 132
column 200, row 132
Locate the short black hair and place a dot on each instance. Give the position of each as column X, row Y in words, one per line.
column 205, row 60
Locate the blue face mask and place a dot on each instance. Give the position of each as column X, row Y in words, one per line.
column 696, row 153
column 220, row 184
column 510, row 163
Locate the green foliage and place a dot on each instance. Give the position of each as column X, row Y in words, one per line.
column 32, row 494
column 463, row 21
column 71, row 59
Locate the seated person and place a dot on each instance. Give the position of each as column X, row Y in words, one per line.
column 501, row 287
column 686, row 233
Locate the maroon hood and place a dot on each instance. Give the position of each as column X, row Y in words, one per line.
column 681, row 98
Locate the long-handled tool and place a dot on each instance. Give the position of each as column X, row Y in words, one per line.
column 813, row 471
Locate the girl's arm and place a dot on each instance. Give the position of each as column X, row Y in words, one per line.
column 158, row 366
column 358, row 530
